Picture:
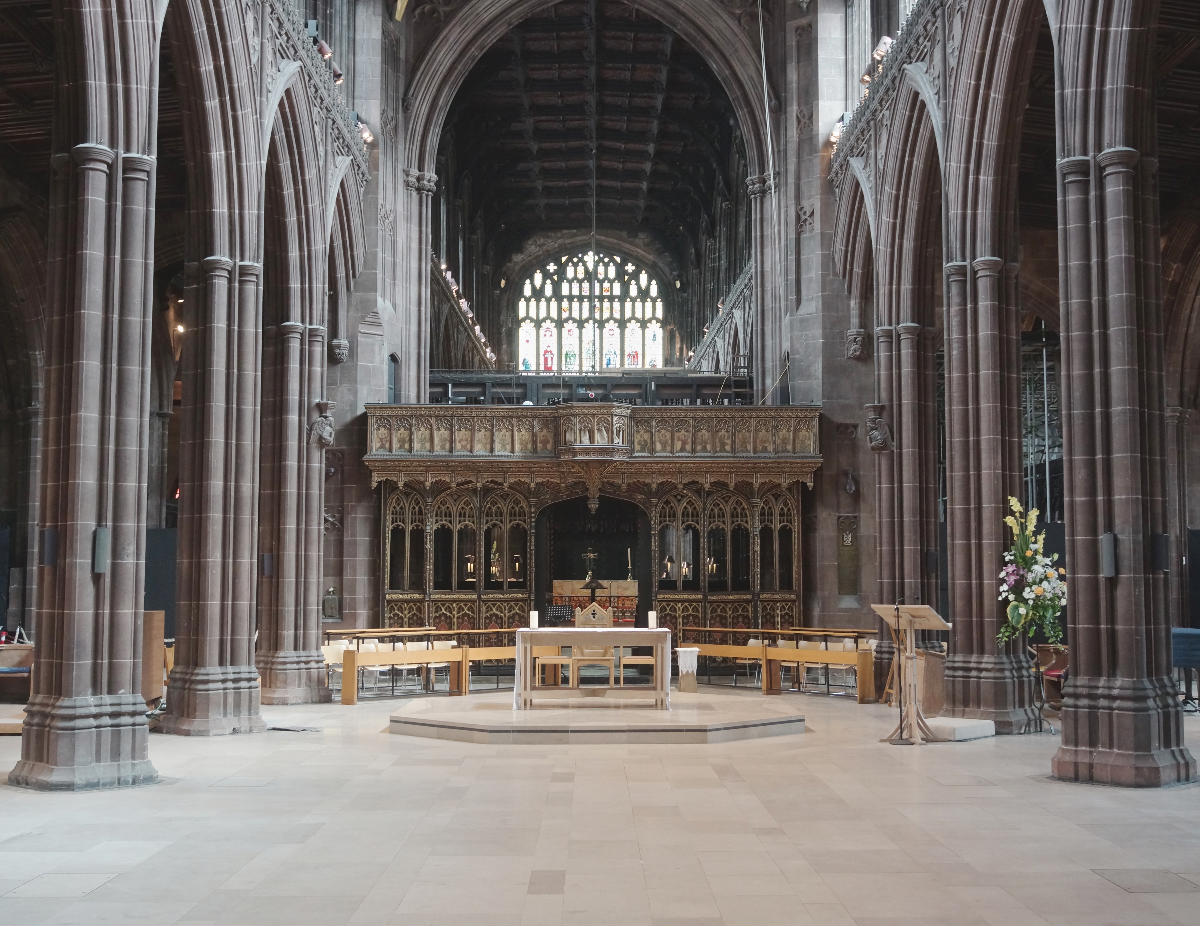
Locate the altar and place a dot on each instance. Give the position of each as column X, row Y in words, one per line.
column 587, row 640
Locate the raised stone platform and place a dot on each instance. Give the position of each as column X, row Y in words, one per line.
column 959, row 729
column 704, row 717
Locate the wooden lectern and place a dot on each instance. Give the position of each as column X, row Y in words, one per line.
column 903, row 619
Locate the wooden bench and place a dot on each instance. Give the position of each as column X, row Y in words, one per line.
column 772, row 659
column 459, row 658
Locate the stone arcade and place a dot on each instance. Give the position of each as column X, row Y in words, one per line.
column 353, row 295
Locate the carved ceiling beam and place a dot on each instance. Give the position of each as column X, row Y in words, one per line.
column 664, row 76
column 527, row 122
column 591, row 55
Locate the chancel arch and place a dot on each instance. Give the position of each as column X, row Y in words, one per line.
column 690, row 204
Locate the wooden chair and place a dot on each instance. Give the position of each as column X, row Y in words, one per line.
column 552, row 658
column 593, row 616
column 602, row 656
column 631, row 660
column 1052, row 662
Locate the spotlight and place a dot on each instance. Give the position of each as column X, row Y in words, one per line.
column 884, row 46
column 337, row 75
column 180, row 329
column 323, row 49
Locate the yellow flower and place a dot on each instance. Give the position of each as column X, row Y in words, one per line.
column 1061, row 571
column 1039, row 590
column 1029, row 553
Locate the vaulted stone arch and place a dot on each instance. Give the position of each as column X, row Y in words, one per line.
column 214, row 685
column 294, row 433
column 707, row 26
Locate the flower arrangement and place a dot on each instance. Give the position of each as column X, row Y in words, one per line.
column 1033, row 586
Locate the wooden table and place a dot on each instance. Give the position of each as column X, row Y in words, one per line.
column 525, row 684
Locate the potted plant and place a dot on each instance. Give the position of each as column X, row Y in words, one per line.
column 1034, row 588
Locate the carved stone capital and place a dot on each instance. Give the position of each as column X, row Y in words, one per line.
column 420, row 181
column 760, row 185
column 339, row 350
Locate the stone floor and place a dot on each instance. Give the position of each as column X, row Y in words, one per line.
column 332, row 820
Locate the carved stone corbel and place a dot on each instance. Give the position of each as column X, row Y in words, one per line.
column 879, row 433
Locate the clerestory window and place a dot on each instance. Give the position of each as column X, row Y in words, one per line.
column 588, row 313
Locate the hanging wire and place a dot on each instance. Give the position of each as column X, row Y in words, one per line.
column 773, row 187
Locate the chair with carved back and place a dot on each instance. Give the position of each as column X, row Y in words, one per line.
column 581, row 655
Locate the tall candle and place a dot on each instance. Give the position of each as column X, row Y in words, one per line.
column 629, row 557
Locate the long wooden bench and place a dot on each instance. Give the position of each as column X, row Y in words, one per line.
column 459, row 659
column 773, row 658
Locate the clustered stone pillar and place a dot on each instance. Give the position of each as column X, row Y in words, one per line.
column 767, row 336
column 413, row 385
column 214, row 687
column 85, row 722
column 983, row 464
column 289, row 653
column 1121, row 717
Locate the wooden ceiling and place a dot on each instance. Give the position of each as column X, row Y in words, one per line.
column 592, row 101
column 27, row 70
column 1178, row 99
column 1177, row 95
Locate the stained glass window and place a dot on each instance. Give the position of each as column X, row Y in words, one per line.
column 654, row 352
column 588, row 312
column 528, row 346
column 633, row 345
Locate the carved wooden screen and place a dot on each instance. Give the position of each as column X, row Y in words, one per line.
column 777, row 537
column 404, row 542
column 679, row 543
column 506, row 541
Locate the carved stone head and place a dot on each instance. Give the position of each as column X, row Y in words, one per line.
column 339, row 350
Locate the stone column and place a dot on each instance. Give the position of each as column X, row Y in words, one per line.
column 887, row 584
column 28, row 512
column 156, row 491
column 1121, row 719
column 983, row 680
column 1176, row 420
column 414, row 374
column 289, row 657
column 768, row 331
column 214, row 687
column 909, row 555
column 885, row 472
column 85, row 724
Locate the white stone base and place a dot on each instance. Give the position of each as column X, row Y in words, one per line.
column 957, row 729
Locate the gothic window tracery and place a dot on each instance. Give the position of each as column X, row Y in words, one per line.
column 777, row 521
column 589, row 312
column 405, row 554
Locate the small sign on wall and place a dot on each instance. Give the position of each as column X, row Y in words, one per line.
column 847, row 555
